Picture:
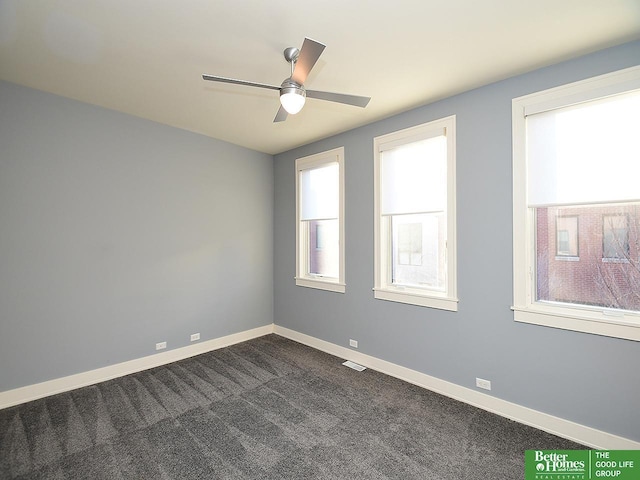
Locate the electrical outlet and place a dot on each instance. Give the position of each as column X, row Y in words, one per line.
column 195, row 336
column 353, row 343
column 481, row 383
column 161, row 345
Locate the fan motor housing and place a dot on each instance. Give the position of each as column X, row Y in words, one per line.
column 289, row 86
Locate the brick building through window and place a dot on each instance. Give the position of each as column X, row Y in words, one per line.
column 589, row 255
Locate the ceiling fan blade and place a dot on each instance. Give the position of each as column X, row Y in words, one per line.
column 355, row 100
column 281, row 116
column 309, row 54
column 214, row 78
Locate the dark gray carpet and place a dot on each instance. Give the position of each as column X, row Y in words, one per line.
column 269, row 408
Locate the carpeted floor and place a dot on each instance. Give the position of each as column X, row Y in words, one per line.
column 269, row 408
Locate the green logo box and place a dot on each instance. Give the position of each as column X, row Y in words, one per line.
column 582, row 464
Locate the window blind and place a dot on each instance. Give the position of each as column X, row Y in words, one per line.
column 319, row 191
column 414, row 177
column 586, row 153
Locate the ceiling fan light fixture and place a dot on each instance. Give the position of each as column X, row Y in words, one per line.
column 292, row 99
column 292, row 92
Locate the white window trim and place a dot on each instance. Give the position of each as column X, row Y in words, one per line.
column 607, row 322
column 448, row 300
column 314, row 161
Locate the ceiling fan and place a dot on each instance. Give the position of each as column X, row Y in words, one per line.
column 292, row 91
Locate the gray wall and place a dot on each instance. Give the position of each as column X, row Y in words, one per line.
column 590, row 379
column 117, row 233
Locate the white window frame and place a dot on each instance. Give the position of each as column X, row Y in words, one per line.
column 383, row 288
column 302, row 279
column 595, row 320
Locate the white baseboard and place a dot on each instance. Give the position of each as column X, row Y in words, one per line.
column 542, row 421
column 58, row 385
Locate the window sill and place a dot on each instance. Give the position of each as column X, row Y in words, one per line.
column 567, row 258
column 321, row 284
column 421, row 300
column 597, row 323
column 615, row 260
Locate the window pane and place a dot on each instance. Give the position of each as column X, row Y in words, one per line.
column 410, row 244
column 418, row 250
column 323, row 247
column 567, row 234
column 615, row 236
column 607, row 273
column 563, row 242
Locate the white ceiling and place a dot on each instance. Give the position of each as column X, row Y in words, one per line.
column 146, row 57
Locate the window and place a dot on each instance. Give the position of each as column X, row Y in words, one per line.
column 615, row 237
column 563, row 242
column 415, row 254
column 577, row 197
column 320, row 221
column 567, row 236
